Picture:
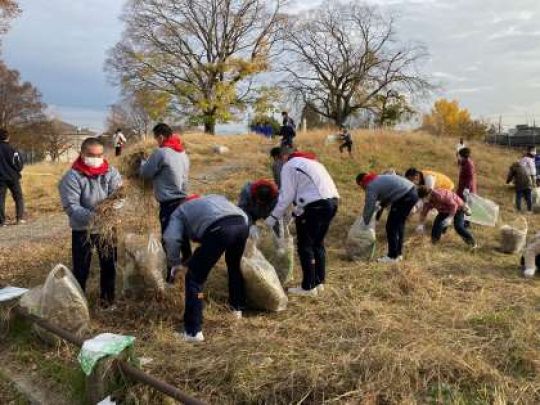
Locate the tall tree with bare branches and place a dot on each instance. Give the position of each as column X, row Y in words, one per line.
column 345, row 55
column 8, row 10
column 204, row 53
column 20, row 102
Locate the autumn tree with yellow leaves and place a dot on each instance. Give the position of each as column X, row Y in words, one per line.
column 447, row 118
column 204, row 53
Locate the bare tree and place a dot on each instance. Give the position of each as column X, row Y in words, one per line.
column 204, row 53
column 8, row 10
column 20, row 102
column 53, row 140
column 345, row 55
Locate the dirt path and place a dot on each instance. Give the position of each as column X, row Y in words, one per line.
column 40, row 229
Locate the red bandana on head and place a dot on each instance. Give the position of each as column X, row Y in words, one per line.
column 305, row 155
column 173, row 142
column 368, row 178
column 88, row 171
column 263, row 182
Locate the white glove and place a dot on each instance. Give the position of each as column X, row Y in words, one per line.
column 467, row 210
column 466, row 193
column 447, row 222
column 118, row 205
column 178, row 270
column 270, row 221
column 420, row 229
column 254, row 232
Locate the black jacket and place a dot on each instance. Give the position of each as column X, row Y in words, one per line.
column 11, row 163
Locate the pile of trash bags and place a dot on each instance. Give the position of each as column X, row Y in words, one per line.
column 261, row 282
column 142, row 263
column 514, row 236
column 61, row 301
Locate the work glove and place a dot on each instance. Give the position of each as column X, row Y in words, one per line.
column 467, row 210
column 254, row 232
column 420, row 229
column 118, row 205
column 270, row 221
column 466, row 194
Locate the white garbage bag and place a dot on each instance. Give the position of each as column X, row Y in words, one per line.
column 262, row 285
column 514, row 236
column 279, row 251
column 536, row 199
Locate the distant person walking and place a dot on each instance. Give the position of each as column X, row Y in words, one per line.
column 119, row 140
column 467, row 174
column 523, row 184
column 11, row 165
column 345, row 138
column 288, row 130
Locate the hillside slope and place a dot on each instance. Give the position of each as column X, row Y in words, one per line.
column 446, row 325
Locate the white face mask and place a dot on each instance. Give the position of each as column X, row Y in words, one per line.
column 93, row 161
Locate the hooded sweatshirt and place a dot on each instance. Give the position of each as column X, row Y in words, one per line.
column 192, row 219
column 11, row 163
column 386, row 189
column 168, row 168
column 80, row 194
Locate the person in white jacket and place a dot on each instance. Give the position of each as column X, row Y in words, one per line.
column 528, row 163
column 307, row 185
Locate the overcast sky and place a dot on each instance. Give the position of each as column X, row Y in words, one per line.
column 486, row 53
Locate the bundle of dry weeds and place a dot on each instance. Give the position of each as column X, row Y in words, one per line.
column 107, row 218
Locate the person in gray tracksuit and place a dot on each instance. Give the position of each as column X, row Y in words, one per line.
column 168, row 169
column 90, row 181
column 398, row 193
column 220, row 227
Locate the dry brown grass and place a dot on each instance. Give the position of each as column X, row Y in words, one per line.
column 446, row 326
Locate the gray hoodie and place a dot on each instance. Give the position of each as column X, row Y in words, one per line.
column 80, row 194
column 191, row 220
column 385, row 189
column 168, row 170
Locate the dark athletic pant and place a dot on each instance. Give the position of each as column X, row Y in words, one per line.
column 345, row 145
column 165, row 211
column 311, row 229
column 228, row 236
column 459, row 225
column 82, row 244
column 15, row 189
column 118, row 150
column 395, row 224
column 527, row 194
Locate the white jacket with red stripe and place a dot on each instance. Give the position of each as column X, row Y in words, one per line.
column 303, row 181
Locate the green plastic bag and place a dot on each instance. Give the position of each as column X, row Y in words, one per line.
column 103, row 345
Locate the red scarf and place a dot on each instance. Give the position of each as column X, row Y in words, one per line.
column 192, row 197
column 263, row 182
column 305, row 155
column 174, row 142
column 368, row 178
column 88, row 171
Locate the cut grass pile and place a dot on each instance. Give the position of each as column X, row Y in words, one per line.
column 445, row 326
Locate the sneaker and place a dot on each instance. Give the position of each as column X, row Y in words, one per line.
column 198, row 338
column 109, row 308
column 529, row 273
column 301, row 292
column 21, row 222
column 389, row 260
column 237, row 314
column 320, row 288
column 474, row 246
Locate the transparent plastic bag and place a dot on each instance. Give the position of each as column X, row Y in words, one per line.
column 60, row 301
column 514, row 236
column 279, row 251
column 483, row 211
column 262, row 285
column 531, row 252
column 144, row 264
column 361, row 240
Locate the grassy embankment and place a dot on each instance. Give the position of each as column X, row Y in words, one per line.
column 446, row 326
